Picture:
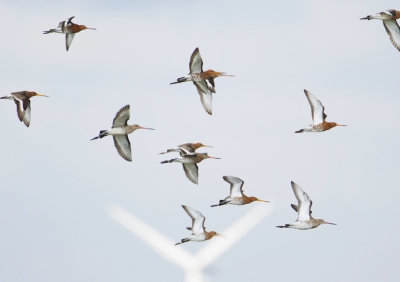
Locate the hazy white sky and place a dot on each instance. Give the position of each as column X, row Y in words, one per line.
column 56, row 184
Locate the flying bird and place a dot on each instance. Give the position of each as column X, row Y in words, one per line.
column 389, row 22
column 304, row 220
column 190, row 162
column 186, row 148
column 236, row 196
column 199, row 232
column 23, row 98
column 120, row 130
column 318, row 115
column 203, row 80
column 69, row 29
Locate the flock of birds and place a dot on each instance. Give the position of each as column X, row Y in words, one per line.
column 205, row 85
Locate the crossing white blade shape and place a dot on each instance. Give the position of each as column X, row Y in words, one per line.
column 192, row 264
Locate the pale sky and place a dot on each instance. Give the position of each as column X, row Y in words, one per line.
column 56, row 184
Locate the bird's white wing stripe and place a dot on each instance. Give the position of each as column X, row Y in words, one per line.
column 304, row 202
column 304, row 209
column 205, row 95
column 318, row 113
column 392, row 28
column 198, row 220
column 18, row 103
column 196, row 62
column 236, row 185
column 68, row 40
column 27, row 114
column 192, row 172
column 123, row 146
column 121, row 118
column 317, row 109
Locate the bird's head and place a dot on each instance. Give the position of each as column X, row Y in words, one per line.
column 32, row 93
column 137, row 126
column 206, row 156
column 83, row 27
column 215, row 74
column 334, row 124
column 254, row 199
column 199, row 145
column 321, row 221
column 213, row 233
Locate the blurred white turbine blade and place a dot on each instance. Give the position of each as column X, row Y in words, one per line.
column 235, row 232
column 161, row 244
column 193, row 265
column 195, row 275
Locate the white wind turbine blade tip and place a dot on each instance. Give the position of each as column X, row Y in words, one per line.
column 235, row 232
column 157, row 241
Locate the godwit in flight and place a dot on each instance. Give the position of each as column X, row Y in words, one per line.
column 318, row 115
column 304, row 220
column 204, row 80
column 389, row 22
column 120, row 130
column 236, row 196
column 22, row 97
column 199, row 232
column 189, row 162
column 186, row 148
column 69, row 29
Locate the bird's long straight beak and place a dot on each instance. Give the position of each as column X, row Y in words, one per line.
column 209, row 157
column 340, row 125
column 208, row 146
column 41, row 95
column 259, row 200
column 146, row 128
column 224, row 74
column 330, row 223
column 91, row 28
column 366, row 18
column 222, row 236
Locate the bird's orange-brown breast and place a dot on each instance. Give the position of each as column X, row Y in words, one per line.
column 30, row 94
column 210, row 234
column 200, row 157
column 205, row 75
column 248, row 200
column 211, row 73
column 328, row 125
column 75, row 28
column 195, row 146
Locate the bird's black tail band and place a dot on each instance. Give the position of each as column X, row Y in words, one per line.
column 183, row 241
column 168, row 161
column 49, row 31
column 221, row 203
column 179, row 80
column 103, row 133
